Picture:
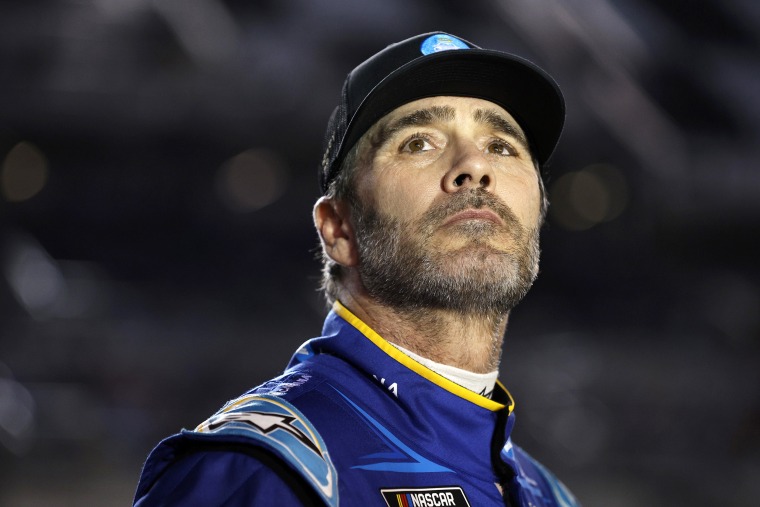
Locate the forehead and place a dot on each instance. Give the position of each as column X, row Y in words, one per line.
column 450, row 108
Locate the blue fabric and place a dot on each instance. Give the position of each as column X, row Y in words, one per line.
column 218, row 479
column 387, row 431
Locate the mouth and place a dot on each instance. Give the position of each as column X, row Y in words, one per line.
column 474, row 214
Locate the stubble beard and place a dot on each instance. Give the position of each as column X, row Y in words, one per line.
column 400, row 268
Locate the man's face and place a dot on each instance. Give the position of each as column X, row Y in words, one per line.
column 446, row 207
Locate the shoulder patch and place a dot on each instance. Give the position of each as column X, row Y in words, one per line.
column 283, row 429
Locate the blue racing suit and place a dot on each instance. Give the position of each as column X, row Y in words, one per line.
column 353, row 422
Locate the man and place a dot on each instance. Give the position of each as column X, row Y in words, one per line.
column 429, row 226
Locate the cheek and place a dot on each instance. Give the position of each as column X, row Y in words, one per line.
column 401, row 191
column 405, row 202
column 524, row 198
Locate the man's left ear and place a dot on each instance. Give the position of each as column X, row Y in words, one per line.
column 332, row 218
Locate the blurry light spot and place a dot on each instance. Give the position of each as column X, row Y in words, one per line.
column 585, row 198
column 206, row 28
column 589, row 197
column 251, row 180
column 24, row 172
column 34, row 278
column 17, row 414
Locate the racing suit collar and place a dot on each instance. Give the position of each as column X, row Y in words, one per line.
column 500, row 393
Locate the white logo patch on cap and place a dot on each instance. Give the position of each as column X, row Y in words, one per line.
column 441, row 42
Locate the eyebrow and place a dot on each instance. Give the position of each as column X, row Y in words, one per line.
column 417, row 118
column 499, row 123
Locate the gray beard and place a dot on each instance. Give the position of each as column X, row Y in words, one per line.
column 400, row 269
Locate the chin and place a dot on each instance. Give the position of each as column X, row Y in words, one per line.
column 483, row 260
column 471, row 245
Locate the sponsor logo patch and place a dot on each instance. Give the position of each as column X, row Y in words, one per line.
column 441, row 42
column 449, row 496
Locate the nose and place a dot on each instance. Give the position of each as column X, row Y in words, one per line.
column 469, row 169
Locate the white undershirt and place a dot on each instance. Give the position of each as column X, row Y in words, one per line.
column 480, row 383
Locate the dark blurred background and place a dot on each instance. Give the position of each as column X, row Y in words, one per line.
column 158, row 168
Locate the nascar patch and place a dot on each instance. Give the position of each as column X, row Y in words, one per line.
column 450, row 496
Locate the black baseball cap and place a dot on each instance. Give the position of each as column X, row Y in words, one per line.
column 435, row 64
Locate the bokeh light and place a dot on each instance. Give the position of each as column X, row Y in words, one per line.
column 34, row 277
column 582, row 199
column 17, row 414
column 251, row 180
column 24, row 172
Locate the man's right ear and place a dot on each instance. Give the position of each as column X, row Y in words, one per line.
column 332, row 218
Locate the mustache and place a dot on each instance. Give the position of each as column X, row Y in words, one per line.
column 477, row 199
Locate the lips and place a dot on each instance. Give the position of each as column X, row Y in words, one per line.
column 474, row 214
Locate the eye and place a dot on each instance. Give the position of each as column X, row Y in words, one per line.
column 500, row 147
column 416, row 144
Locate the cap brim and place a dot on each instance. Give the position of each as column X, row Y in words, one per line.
column 524, row 90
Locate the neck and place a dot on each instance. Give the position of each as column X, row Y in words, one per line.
column 470, row 342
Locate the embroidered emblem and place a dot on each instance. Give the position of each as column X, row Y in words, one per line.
column 441, row 42
column 451, row 496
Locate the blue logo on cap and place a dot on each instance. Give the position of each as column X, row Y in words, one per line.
column 441, row 42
